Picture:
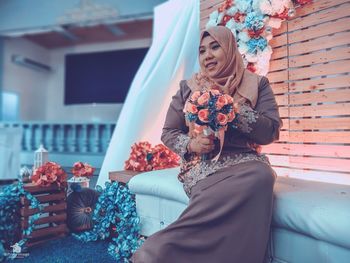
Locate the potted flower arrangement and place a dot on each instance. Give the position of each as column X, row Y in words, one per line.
column 81, row 174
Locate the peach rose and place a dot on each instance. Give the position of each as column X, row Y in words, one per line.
column 191, row 108
column 203, row 115
column 221, row 118
column 231, row 116
column 195, row 95
column 215, row 92
column 203, row 99
column 221, row 102
column 229, row 98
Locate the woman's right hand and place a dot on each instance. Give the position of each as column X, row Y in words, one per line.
column 201, row 144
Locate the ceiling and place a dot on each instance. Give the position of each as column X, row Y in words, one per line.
column 65, row 36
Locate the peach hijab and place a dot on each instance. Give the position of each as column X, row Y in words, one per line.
column 232, row 78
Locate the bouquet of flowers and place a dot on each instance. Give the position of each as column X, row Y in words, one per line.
column 144, row 157
column 49, row 173
column 211, row 110
column 81, row 169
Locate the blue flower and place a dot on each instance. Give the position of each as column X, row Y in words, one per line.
column 254, row 21
column 256, row 44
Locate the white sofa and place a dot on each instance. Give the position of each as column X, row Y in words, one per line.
column 311, row 220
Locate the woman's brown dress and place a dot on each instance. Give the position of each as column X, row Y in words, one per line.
column 230, row 207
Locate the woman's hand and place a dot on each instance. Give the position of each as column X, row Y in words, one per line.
column 201, row 144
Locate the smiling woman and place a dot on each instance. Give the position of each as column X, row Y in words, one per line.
column 226, row 194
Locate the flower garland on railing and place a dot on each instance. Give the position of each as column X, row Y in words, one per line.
column 9, row 221
column 251, row 22
column 144, row 157
column 115, row 215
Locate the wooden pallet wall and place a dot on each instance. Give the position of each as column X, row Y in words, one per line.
column 309, row 74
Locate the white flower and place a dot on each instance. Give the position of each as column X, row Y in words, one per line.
column 252, row 58
column 263, row 61
column 242, row 5
column 274, row 22
column 232, row 11
column 243, row 36
column 242, row 47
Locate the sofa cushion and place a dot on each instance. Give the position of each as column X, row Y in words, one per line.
column 160, row 183
column 319, row 210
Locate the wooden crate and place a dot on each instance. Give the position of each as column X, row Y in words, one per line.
column 122, row 177
column 52, row 222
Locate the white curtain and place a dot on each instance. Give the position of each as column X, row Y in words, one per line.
column 171, row 58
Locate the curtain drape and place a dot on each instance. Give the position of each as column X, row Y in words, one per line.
column 171, row 58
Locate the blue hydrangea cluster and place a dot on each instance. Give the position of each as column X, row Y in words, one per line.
column 255, row 44
column 115, row 207
column 254, row 21
column 9, row 211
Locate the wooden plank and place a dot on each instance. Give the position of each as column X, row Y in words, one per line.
column 285, row 124
column 319, row 137
column 315, row 163
column 284, row 136
column 337, row 67
column 281, row 30
column 122, row 176
column 210, row 3
column 283, row 111
column 320, row 110
column 47, row 231
column 45, row 220
column 279, row 52
column 320, row 57
column 318, row 84
column 338, row 151
column 205, row 13
column 281, row 99
column 25, row 211
column 319, row 30
column 278, row 64
column 337, row 39
column 278, row 76
column 316, row 6
column 319, row 17
column 32, row 188
column 320, row 123
column 46, row 198
column 278, row 41
column 279, row 88
column 321, row 96
column 319, row 176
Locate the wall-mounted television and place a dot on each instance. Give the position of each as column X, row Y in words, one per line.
column 101, row 77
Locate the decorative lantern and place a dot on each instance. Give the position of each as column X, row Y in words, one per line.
column 41, row 156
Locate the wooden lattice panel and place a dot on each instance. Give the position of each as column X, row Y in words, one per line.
column 309, row 75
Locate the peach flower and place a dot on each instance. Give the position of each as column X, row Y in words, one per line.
column 229, row 98
column 203, row 115
column 191, row 108
column 203, row 99
column 221, row 102
column 221, row 118
column 215, row 92
column 195, row 95
column 231, row 116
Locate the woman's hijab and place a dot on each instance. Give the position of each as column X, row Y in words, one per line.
column 232, row 78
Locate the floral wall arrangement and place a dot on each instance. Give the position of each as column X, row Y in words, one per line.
column 251, row 22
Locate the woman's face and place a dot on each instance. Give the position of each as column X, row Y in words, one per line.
column 212, row 57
